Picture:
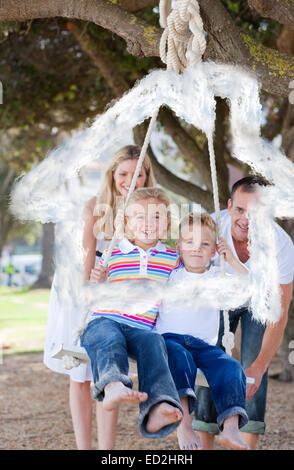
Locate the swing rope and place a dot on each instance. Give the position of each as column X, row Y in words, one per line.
column 182, row 44
column 228, row 338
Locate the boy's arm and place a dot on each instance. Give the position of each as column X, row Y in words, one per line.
column 223, row 248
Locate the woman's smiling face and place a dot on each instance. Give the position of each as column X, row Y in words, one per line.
column 123, row 175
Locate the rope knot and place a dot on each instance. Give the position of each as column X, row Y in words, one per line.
column 69, row 362
column 183, row 41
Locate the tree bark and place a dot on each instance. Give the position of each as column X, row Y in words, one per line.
column 225, row 41
column 106, row 67
column 186, row 145
column 228, row 44
column 279, row 10
column 172, row 182
column 7, row 176
column 47, row 270
column 222, row 170
column 142, row 39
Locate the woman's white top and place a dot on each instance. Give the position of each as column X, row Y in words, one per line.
column 61, row 323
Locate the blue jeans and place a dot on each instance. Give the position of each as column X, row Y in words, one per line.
column 224, row 374
column 108, row 344
column 251, row 340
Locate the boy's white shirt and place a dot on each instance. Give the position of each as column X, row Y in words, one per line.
column 284, row 244
column 175, row 317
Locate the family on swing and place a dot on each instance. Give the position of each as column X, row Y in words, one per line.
column 171, row 340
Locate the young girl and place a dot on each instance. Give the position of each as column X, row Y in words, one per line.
column 62, row 321
column 114, row 334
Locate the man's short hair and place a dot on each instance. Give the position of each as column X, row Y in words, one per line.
column 248, row 184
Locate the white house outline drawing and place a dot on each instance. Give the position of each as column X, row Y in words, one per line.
column 191, row 97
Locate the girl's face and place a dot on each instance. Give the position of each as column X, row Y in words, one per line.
column 123, row 175
column 147, row 220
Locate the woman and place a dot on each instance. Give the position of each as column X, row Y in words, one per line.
column 99, row 218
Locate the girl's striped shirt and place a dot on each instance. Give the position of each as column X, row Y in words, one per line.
column 130, row 262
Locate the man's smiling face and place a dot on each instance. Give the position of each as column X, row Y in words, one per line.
column 239, row 208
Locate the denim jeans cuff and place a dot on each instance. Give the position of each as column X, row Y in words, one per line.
column 192, row 399
column 144, row 415
column 202, row 426
column 98, row 389
column 254, row 427
column 234, row 410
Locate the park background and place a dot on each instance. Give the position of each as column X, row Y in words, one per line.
column 59, row 68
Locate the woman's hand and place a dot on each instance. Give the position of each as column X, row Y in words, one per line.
column 98, row 274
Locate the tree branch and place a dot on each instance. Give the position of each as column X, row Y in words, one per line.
column 141, row 38
column 106, row 67
column 226, row 42
column 281, row 10
column 220, row 149
column 135, row 5
column 186, row 144
column 172, row 182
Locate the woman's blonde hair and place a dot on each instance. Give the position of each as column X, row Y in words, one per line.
column 107, row 201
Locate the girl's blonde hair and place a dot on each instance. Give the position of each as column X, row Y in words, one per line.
column 151, row 193
column 107, row 201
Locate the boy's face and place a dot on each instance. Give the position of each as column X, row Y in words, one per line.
column 147, row 220
column 196, row 247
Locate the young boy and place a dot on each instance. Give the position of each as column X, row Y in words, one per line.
column 191, row 335
column 112, row 336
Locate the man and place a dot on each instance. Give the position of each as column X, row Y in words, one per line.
column 259, row 343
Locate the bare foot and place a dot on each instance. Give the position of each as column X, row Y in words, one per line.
column 116, row 393
column 233, row 442
column 187, row 438
column 162, row 415
column 230, row 436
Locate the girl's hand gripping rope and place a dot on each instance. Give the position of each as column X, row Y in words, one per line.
column 98, row 274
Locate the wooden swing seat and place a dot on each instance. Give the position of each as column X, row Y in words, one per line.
column 80, row 353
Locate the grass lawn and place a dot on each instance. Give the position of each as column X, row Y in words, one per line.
column 23, row 317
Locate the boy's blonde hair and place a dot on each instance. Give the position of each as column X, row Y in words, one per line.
column 196, row 218
column 151, row 193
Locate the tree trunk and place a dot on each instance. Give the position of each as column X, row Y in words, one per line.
column 47, row 270
column 287, row 373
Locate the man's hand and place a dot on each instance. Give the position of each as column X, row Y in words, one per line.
column 256, row 373
column 98, row 274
